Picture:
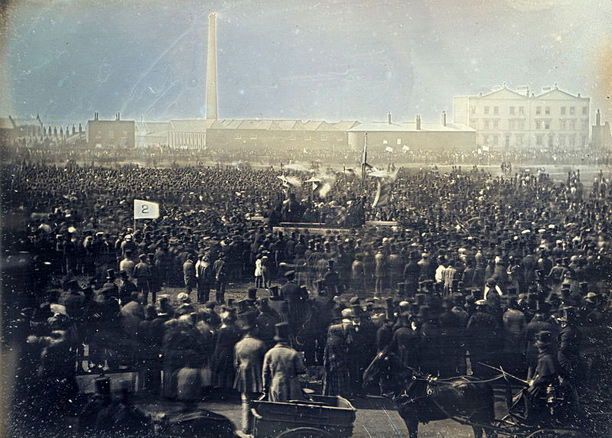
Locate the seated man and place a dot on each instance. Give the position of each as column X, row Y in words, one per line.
column 549, row 397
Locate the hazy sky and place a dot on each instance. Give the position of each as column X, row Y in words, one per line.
column 334, row 59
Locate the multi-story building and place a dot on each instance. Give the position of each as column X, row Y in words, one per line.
column 505, row 118
column 111, row 133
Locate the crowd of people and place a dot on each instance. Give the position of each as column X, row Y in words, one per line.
column 478, row 272
column 164, row 155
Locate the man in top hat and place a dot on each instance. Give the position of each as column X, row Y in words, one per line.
column 252, row 295
column 295, row 298
column 267, row 318
column 249, row 355
column 281, row 368
column 125, row 287
column 205, row 278
column 220, row 269
column 481, row 337
column 570, row 340
column 546, row 373
column 332, row 279
column 143, row 276
column 189, row 274
column 110, row 278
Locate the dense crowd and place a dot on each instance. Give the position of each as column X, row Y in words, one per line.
column 163, row 155
column 476, row 269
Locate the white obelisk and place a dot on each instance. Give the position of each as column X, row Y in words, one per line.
column 211, row 68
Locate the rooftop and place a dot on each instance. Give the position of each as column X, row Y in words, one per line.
column 409, row 126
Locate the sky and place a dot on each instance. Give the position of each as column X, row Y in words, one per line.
column 331, row 60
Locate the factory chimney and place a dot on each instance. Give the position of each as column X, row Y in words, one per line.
column 598, row 118
column 211, row 68
column 443, row 118
column 389, row 117
column 418, row 122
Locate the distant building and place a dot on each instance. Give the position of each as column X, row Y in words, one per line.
column 258, row 135
column 290, row 135
column 600, row 134
column 508, row 119
column 412, row 136
column 150, row 134
column 111, row 133
column 12, row 129
column 188, row 134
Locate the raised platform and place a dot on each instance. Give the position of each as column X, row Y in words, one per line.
column 311, row 227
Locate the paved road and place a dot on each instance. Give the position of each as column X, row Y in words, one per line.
column 376, row 418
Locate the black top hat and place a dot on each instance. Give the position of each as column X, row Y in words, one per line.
column 281, row 332
column 424, row 312
column 244, row 306
column 252, row 293
column 110, row 274
column 248, row 320
column 290, row 274
column 274, row 293
column 103, row 386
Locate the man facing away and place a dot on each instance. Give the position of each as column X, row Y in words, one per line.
column 248, row 359
column 281, row 368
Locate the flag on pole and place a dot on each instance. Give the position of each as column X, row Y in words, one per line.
column 145, row 209
column 383, row 194
column 364, row 154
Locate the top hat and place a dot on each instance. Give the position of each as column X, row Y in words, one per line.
column 289, row 274
column 424, row 311
column 244, row 306
column 110, row 274
column 274, row 293
column 252, row 293
column 102, row 384
column 248, row 320
column 281, row 332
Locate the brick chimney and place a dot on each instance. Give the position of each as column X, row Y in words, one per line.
column 418, row 122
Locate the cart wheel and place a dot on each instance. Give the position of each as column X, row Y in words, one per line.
column 304, row 432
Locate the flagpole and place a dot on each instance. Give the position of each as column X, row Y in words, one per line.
column 364, row 158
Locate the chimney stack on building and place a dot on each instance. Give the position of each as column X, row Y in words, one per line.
column 95, row 116
column 211, row 68
column 389, row 117
column 598, row 118
column 418, row 122
column 443, row 118
column 118, row 116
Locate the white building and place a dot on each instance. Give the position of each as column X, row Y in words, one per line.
column 506, row 118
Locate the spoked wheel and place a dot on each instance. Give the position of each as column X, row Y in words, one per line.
column 304, row 432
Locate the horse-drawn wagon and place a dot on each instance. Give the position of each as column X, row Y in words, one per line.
column 320, row 417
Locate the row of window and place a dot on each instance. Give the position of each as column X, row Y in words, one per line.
column 520, row 124
column 520, row 110
column 292, row 137
column 540, row 139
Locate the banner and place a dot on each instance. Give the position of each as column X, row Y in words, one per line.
column 383, row 194
column 145, row 209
